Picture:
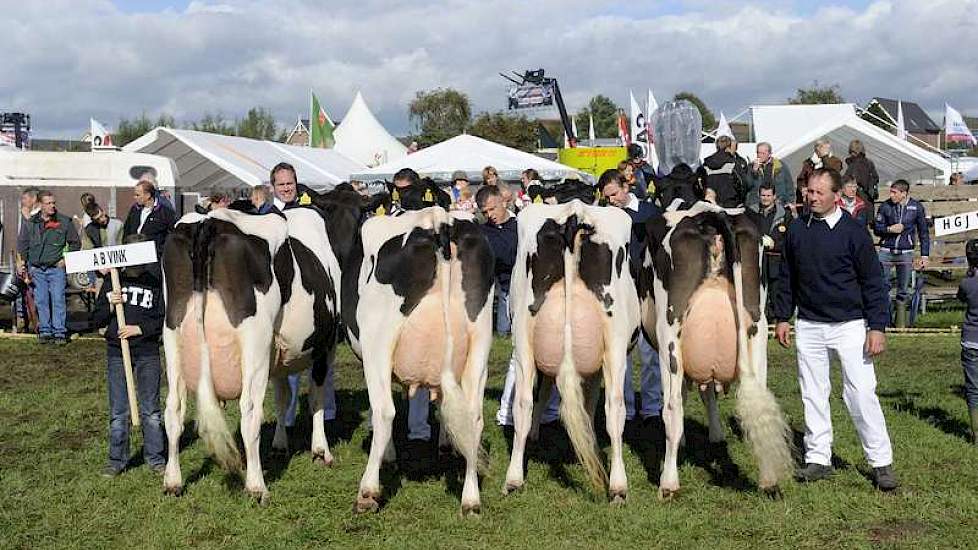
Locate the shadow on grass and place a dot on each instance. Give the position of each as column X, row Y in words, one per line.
column 903, row 402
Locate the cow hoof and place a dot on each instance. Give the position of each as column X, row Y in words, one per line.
column 173, row 491
column 512, row 486
column 667, row 495
column 773, row 492
column 320, row 459
column 260, row 496
column 618, row 499
column 471, row 509
column 366, row 503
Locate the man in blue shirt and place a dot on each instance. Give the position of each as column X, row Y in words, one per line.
column 897, row 222
column 830, row 272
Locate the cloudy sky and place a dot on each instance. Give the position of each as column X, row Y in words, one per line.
column 67, row 60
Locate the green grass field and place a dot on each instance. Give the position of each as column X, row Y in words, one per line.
column 53, row 444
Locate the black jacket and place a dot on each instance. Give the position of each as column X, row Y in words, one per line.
column 143, row 306
column 831, row 275
column 502, row 240
column 864, row 171
column 158, row 224
column 725, row 174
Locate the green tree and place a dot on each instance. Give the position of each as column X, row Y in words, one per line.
column 709, row 121
column 439, row 114
column 605, row 114
column 257, row 124
column 513, row 131
column 214, row 124
column 128, row 130
column 817, row 95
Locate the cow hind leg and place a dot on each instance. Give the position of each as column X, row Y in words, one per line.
column 616, row 357
column 708, row 395
column 522, row 410
column 377, row 372
column 176, row 399
column 672, row 411
column 255, row 342
column 317, row 400
column 283, row 394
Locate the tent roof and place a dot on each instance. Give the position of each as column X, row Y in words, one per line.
column 208, row 161
column 894, row 158
column 362, row 137
column 914, row 118
column 471, row 154
column 781, row 125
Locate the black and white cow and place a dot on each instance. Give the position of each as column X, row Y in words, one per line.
column 703, row 304
column 261, row 294
column 417, row 303
column 575, row 312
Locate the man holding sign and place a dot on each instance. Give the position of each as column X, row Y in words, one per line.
column 140, row 295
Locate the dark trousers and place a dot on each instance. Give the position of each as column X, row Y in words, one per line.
column 771, row 271
column 146, row 372
column 969, row 363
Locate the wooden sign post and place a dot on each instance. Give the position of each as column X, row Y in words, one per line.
column 112, row 258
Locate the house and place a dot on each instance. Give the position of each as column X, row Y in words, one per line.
column 300, row 133
column 915, row 120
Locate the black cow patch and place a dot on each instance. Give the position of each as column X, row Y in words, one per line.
column 349, row 286
column 410, row 268
column 241, row 256
column 284, row 272
column 178, row 268
column 546, row 265
column 478, row 265
column 595, row 268
column 619, row 260
column 673, row 363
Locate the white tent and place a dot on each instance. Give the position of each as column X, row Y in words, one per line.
column 207, row 161
column 362, row 138
column 471, row 154
column 792, row 130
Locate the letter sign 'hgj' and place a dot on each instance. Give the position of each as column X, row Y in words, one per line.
column 958, row 223
column 111, row 256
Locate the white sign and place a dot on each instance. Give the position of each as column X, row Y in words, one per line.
column 959, row 223
column 111, row 256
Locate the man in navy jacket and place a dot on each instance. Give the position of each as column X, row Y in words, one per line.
column 830, row 272
column 898, row 221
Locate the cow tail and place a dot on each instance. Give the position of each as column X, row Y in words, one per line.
column 757, row 409
column 457, row 415
column 572, row 410
column 211, row 424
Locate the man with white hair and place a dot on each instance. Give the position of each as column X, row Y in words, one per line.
column 768, row 171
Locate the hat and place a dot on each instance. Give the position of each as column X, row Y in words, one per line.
column 459, row 175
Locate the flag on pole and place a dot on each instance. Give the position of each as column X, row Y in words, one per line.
column 623, row 129
column 590, row 128
column 723, row 129
column 574, row 128
column 955, row 130
column 637, row 128
column 650, row 107
column 320, row 125
column 101, row 138
column 901, row 131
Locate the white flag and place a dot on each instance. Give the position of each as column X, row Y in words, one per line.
column 723, row 129
column 574, row 128
column 901, row 131
column 954, row 127
column 590, row 128
column 101, row 138
column 637, row 125
column 650, row 107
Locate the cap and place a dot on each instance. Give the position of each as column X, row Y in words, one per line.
column 459, row 175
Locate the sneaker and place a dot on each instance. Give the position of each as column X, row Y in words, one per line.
column 814, row 472
column 884, row 478
column 110, row 471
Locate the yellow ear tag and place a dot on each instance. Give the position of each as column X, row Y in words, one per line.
column 395, row 196
column 428, row 197
column 597, row 195
column 304, row 200
column 381, row 211
column 538, row 200
column 650, row 190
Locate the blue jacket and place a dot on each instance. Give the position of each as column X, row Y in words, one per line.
column 913, row 218
column 831, row 275
column 502, row 240
column 636, row 244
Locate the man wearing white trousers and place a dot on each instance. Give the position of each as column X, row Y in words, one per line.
column 831, row 273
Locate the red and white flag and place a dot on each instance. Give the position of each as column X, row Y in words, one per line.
column 101, row 138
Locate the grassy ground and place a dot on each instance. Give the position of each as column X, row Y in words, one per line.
column 53, row 444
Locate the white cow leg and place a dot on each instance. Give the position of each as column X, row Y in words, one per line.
column 474, row 386
column 377, row 372
column 317, row 401
column 174, row 414
column 672, row 417
column 254, row 381
column 614, row 368
column 522, row 410
column 709, row 397
column 283, row 393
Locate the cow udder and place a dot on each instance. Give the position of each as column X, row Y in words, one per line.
column 587, row 330
column 222, row 344
column 709, row 333
column 420, row 351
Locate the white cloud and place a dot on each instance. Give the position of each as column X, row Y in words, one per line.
column 95, row 60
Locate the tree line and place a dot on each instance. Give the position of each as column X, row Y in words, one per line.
column 258, row 123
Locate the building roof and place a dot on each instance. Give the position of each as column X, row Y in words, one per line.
column 914, row 118
column 207, row 161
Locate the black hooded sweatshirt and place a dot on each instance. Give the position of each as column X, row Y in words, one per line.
column 143, row 306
